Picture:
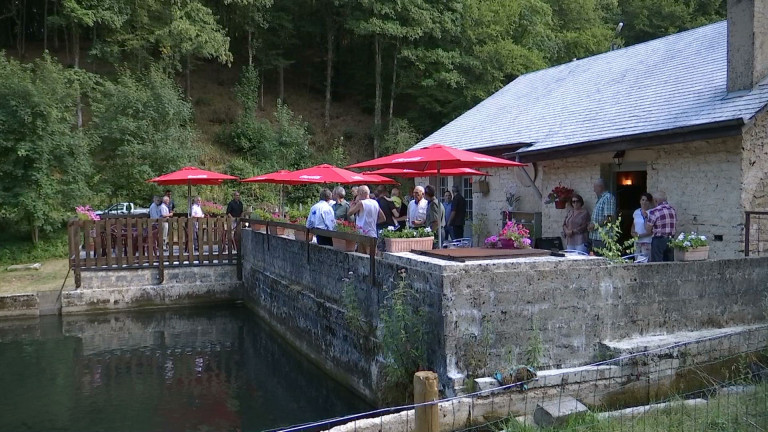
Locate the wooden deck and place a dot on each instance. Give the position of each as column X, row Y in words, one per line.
column 477, row 253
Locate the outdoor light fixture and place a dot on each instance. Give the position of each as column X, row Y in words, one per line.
column 618, row 157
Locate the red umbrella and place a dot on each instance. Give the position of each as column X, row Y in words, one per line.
column 330, row 174
column 277, row 177
column 189, row 176
column 397, row 172
column 436, row 157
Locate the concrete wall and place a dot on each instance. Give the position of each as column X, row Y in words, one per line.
column 298, row 289
column 141, row 288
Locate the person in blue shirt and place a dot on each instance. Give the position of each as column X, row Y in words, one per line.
column 448, row 205
column 321, row 216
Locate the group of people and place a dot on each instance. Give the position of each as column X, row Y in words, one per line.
column 162, row 208
column 654, row 224
column 385, row 209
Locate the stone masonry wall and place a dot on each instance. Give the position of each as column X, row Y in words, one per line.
column 298, row 289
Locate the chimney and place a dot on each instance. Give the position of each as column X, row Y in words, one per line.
column 747, row 43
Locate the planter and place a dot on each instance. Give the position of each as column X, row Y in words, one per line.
column 262, row 228
column 276, row 230
column 408, row 244
column 693, row 254
column 303, row 236
column 559, row 204
column 507, row 243
column 344, row 245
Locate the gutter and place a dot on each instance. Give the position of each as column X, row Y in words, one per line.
column 726, row 128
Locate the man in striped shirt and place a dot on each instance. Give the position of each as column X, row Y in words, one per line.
column 662, row 222
column 604, row 212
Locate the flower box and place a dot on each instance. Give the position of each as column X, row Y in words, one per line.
column 276, row 230
column 693, row 254
column 559, row 204
column 256, row 227
column 344, row 245
column 408, row 244
column 303, row 235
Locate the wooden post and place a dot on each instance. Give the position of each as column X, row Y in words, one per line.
column 746, row 233
column 425, row 390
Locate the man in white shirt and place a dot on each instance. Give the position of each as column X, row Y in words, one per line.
column 321, row 216
column 196, row 212
column 165, row 212
column 417, row 209
column 367, row 212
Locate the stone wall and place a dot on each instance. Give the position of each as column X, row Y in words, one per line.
column 299, row 290
column 141, row 288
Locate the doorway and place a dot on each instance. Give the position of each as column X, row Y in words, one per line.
column 630, row 185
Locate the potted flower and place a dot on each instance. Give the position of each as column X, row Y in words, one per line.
column 211, row 208
column 560, row 195
column 407, row 239
column 512, row 236
column 690, row 247
column 86, row 213
column 343, row 244
column 261, row 215
column 297, row 217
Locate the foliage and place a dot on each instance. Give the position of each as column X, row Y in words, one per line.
column 559, row 193
column 346, row 227
column 264, row 215
column 399, row 137
column 403, row 340
column 46, row 164
column 687, row 241
column 535, row 349
column 392, row 232
column 476, row 350
column 612, row 249
column 516, row 232
column 298, row 216
column 15, row 250
column 211, row 208
column 85, row 213
column 143, row 126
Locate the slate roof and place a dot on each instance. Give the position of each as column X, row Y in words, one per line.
column 673, row 82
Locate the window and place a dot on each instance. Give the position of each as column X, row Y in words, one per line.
column 466, row 190
column 443, row 186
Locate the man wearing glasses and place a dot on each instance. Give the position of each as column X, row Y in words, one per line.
column 604, row 212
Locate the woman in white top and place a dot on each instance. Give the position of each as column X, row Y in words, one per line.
column 643, row 243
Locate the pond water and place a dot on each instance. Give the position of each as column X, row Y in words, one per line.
column 201, row 369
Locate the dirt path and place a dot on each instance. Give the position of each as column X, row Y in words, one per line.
column 49, row 277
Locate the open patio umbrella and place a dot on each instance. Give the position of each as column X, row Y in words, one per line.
column 326, row 173
column 398, row 172
column 191, row 176
column 436, row 157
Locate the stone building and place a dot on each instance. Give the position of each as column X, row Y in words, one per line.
column 684, row 114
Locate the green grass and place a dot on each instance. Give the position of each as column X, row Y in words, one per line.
column 747, row 412
column 15, row 249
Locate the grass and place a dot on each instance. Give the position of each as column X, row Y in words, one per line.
column 747, row 412
column 51, row 251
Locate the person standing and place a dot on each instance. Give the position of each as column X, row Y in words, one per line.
column 447, row 207
column 341, row 205
column 402, row 208
column 458, row 213
column 387, row 206
column 321, row 216
column 662, row 223
column 166, row 213
column 171, row 205
column 367, row 212
column 417, row 209
column 434, row 212
column 154, row 208
column 604, row 212
column 644, row 237
column 235, row 211
column 575, row 225
column 196, row 212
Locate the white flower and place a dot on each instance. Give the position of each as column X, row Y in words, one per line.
column 681, row 236
column 428, row 229
column 687, row 244
column 703, row 238
column 391, row 228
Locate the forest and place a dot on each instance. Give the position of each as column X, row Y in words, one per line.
column 100, row 95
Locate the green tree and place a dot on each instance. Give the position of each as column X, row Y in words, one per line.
column 46, row 165
column 143, row 126
column 649, row 19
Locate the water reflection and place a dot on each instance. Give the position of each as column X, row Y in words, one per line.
column 181, row 370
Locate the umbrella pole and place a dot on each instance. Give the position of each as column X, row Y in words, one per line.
column 439, row 228
column 281, row 200
column 189, row 197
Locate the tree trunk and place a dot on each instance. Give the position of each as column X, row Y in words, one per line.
column 76, row 52
column 261, row 89
column 189, row 83
column 328, row 76
column 23, row 28
column 55, row 28
column 394, row 82
column 377, row 105
column 35, row 234
column 45, row 25
column 250, row 48
column 281, row 83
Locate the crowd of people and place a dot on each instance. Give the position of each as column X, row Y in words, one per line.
column 383, row 209
column 654, row 224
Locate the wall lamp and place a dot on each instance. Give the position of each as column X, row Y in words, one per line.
column 618, row 157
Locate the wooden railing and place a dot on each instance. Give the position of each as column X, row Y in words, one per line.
column 119, row 243
column 753, row 222
column 366, row 244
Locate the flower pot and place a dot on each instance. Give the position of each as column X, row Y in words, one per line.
column 262, row 228
column 507, row 243
column 408, row 244
column 303, row 236
column 276, row 230
column 693, row 254
column 344, row 245
column 559, row 204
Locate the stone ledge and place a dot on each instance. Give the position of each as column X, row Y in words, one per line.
column 19, row 305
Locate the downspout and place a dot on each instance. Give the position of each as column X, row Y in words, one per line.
column 530, row 180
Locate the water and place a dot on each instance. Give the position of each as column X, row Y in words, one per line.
column 201, row 369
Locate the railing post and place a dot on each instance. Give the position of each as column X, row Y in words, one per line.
column 425, row 390
column 746, row 233
column 237, row 240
